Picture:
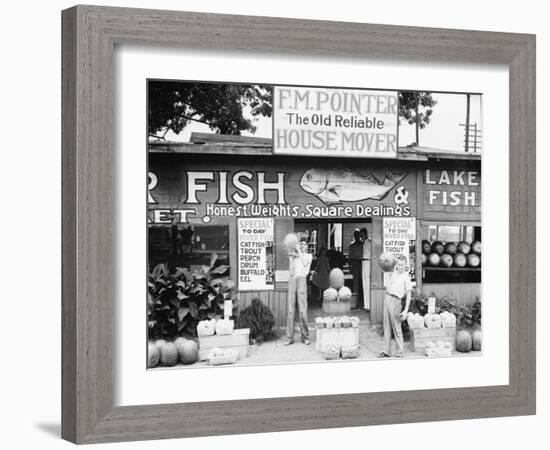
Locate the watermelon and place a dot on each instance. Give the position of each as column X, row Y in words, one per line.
column 464, row 341
column 426, row 247
column 424, row 259
column 460, row 260
column 434, row 259
column 451, row 248
column 438, row 247
column 476, row 247
column 330, row 294
column 344, row 293
column 169, row 354
column 188, row 352
column 160, row 342
column 387, row 261
column 473, row 260
column 446, row 260
column 180, row 340
column 476, row 340
column 153, row 355
column 336, row 278
column 464, row 247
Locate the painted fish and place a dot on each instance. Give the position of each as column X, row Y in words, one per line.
column 343, row 185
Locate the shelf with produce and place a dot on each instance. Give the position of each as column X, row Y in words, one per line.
column 452, row 268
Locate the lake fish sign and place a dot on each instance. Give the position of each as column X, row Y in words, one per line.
column 335, row 122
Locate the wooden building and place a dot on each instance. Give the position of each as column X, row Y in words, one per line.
column 199, row 191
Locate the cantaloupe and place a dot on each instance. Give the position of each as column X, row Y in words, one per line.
column 153, row 355
column 464, row 341
column 336, row 278
column 188, row 352
column 169, row 354
column 330, row 294
column 344, row 293
column 476, row 340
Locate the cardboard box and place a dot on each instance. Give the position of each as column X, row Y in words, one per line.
column 339, row 337
column 238, row 340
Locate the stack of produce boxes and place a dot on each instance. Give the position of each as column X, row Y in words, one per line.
column 435, row 334
column 337, row 337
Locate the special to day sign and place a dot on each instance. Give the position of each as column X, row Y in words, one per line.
column 398, row 238
column 335, row 122
column 256, row 254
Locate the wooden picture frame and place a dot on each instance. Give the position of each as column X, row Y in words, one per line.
column 90, row 34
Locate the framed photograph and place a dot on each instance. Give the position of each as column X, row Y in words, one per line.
column 246, row 202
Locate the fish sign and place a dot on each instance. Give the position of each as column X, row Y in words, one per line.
column 333, row 186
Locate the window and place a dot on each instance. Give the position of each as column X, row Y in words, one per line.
column 450, row 233
column 451, row 253
column 189, row 246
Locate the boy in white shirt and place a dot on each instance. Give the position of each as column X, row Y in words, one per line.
column 299, row 266
column 397, row 286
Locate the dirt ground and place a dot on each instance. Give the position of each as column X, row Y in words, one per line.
column 274, row 352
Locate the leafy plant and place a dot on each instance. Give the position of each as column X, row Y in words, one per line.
column 467, row 316
column 259, row 318
column 178, row 300
column 417, row 109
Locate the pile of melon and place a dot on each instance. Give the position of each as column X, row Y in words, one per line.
column 415, row 320
column 168, row 354
column 451, row 254
column 210, row 327
column 439, row 348
column 467, row 341
column 442, row 320
column 337, row 292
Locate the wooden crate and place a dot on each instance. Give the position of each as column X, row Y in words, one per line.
column 338, row 337
column 238, row 340
column 421, row 336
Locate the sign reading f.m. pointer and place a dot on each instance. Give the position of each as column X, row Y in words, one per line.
column 335, row 122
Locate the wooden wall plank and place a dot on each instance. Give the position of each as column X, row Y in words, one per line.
column 464, row 293
column 376, row 305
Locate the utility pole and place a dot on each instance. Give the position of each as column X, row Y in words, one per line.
column 467, row 134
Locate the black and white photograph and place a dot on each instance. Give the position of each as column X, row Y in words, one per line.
column 292, row 224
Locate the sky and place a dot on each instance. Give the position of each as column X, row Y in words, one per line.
column 443, row 132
